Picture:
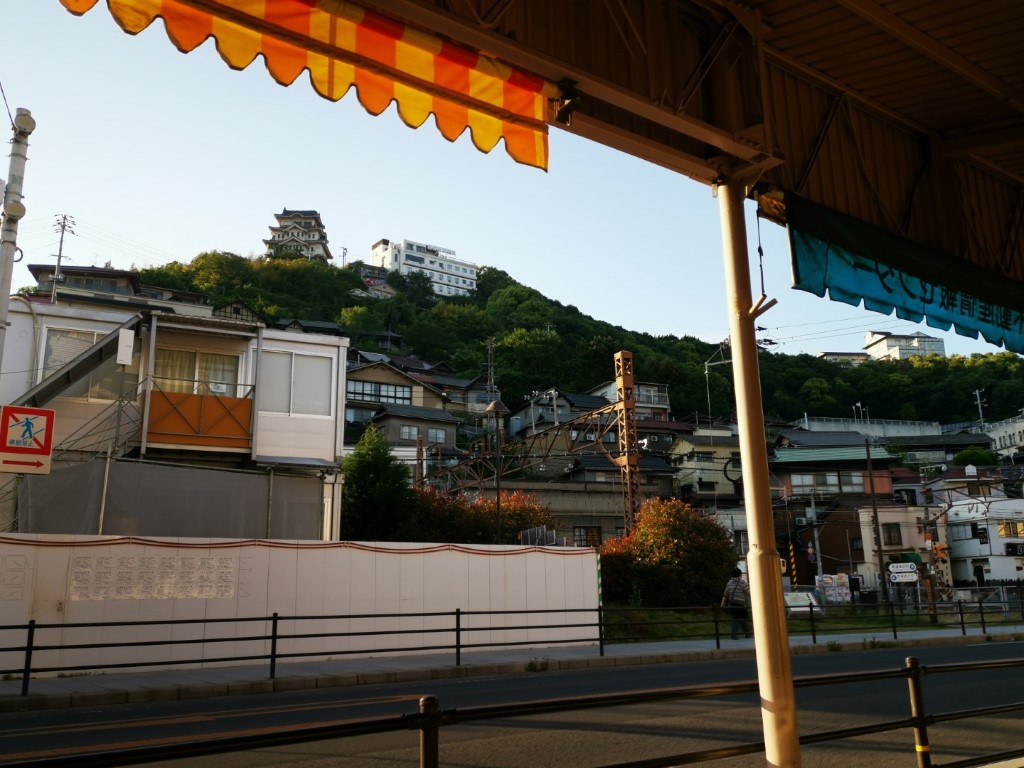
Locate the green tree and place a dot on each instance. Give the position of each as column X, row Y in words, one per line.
column 357, row 319
column 519, row 307
column 302, row 288
column 419, row 290
column 489, row 280
column 816, row 393
column 542, row 343
column 975, row 455
column 674, row 556
column 414, row 287
column 528, row 360
column 376, row 496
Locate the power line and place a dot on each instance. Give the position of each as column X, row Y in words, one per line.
column 36, row 230
column 6, row 105
column 885, row 325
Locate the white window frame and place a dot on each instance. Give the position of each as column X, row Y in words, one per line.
column 203, row 387
column 332, row 386
column 92, row 382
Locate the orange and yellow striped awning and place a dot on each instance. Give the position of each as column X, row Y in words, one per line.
column 343, row 45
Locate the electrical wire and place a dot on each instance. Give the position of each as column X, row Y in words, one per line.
column 36, row 230
column 6, row 105
column 887, row 324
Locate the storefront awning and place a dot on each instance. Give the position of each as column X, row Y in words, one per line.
column 342, row 46
column 853, row 262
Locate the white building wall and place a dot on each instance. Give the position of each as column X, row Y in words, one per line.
column 449, row 275
column 873, row 427
column 25, row 354
column 986, row 551
column 886, row 346
column 66, row 580
column 279, row 435
column 1007, row 435
column 299, row 435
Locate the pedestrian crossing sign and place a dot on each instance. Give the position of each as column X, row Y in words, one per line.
column 26, row 439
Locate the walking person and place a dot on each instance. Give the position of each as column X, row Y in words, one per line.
column 735, row 600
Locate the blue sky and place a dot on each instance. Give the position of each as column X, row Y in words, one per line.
column 159, row 156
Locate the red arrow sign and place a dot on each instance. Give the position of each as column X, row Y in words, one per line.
column 24, row 463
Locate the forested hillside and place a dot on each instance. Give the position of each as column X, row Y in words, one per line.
column 541, row 343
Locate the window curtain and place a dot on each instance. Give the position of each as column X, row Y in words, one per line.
column 174, row 370
column 218, row 373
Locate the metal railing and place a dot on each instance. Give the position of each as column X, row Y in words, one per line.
column 268, row 640
column 431, row 718
column 457, row 631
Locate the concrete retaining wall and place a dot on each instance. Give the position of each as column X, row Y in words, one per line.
column 76, row 579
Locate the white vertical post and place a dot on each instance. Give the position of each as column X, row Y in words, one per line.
column 13, row 210
column 774, row 668
column 817, row 539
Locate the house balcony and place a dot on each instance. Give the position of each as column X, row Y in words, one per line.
column 199, row 415
column 651, row 398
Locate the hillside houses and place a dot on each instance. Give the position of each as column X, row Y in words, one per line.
column 170, row 420
column 255, row 419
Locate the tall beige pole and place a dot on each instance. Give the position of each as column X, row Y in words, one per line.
column 13, row 210
column 774, row 669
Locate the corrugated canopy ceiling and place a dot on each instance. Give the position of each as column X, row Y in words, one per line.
column 905, row 114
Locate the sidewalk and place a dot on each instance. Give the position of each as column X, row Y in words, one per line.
column 166, row 685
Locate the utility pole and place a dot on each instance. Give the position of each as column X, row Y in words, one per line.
column 492, row 390
column 937, row 551
column 874, row 524
column 64, row 224
column 980, row 402
column 13, row 210
column 930, row 585
column 817, row 541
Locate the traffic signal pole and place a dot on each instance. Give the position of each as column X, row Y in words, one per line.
column 935, row 552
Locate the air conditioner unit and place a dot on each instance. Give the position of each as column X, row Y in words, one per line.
column 801, row 521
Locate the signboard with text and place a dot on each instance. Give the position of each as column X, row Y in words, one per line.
column 26, row 439
column 902, row 576
column 902, row 567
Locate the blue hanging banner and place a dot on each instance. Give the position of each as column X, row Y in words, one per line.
column 835, row 255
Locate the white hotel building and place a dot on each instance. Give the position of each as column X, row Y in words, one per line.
column 448, row 275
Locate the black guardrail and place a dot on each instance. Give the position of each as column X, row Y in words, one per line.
column 601, row 626
column 431, row 718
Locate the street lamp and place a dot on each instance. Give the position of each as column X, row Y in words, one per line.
column 497, row 409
